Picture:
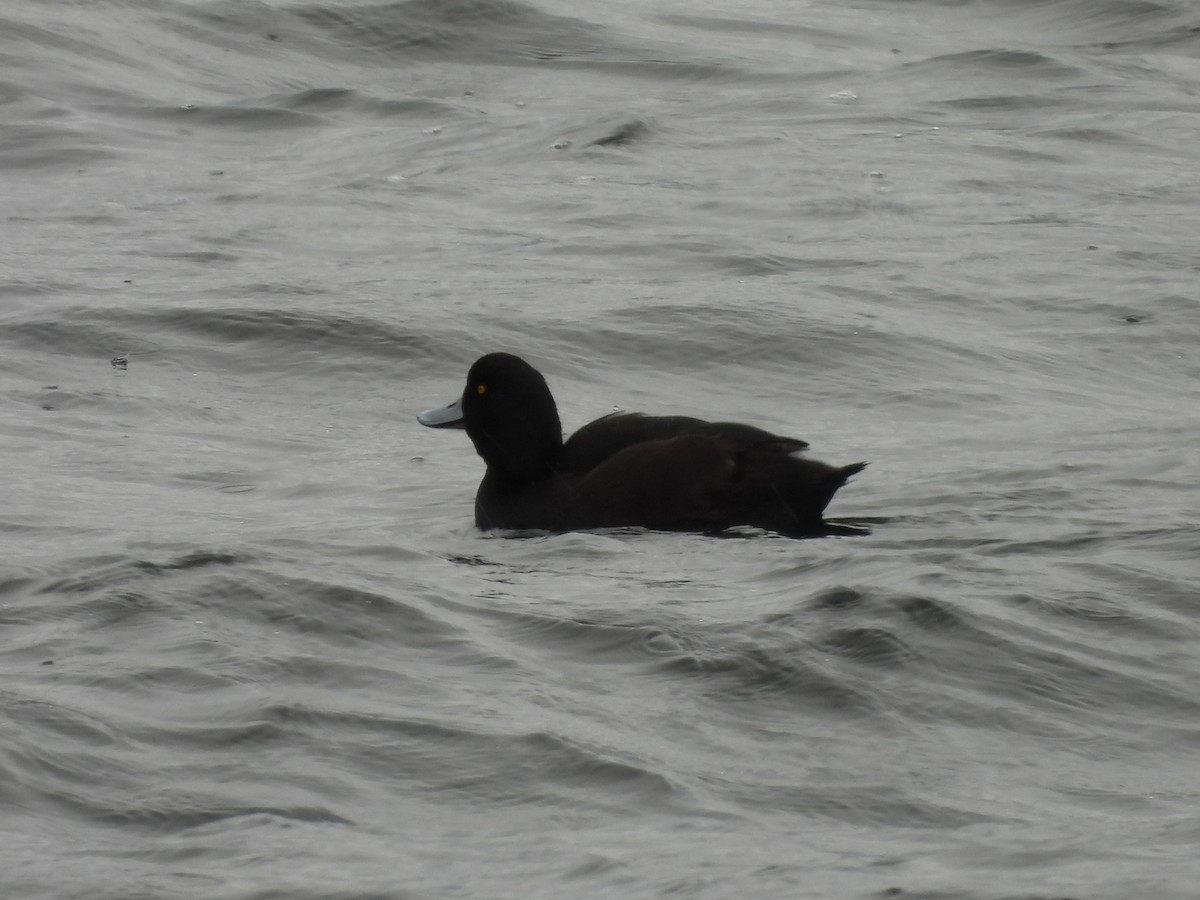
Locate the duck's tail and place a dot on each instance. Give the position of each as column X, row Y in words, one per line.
column 841, row 475
column 801, row 491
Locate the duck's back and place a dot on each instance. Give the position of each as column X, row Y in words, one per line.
column 602, row 439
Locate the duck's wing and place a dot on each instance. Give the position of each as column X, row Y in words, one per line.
column 697, row 482
column 672, row 484
column 599, row 441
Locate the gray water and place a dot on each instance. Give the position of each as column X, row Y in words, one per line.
column 253, row 646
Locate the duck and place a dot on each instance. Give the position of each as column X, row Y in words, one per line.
column 629, row 470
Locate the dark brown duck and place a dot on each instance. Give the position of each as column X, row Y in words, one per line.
column 669, row 473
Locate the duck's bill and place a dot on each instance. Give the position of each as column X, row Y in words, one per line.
column 443, row 417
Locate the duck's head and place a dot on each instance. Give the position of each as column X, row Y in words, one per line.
column 510, row 416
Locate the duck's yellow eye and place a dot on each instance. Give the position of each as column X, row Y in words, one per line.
column 481, row 389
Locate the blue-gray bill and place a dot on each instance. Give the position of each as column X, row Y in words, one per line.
column 443, row 417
